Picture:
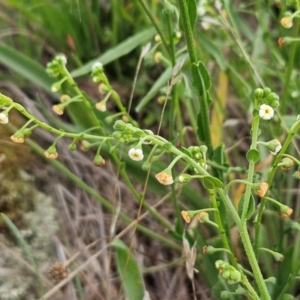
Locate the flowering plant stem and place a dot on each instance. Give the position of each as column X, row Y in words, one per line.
column 204, row 109
column 99, row 198
column 291, row 63
column 242, row 226
column 271, row 175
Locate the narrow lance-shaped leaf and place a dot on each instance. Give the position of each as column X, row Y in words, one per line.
column 129, row 271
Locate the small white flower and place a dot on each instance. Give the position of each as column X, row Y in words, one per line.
column 3, row 118
column 101, row 106
column 266, row 112
column 62, row 58
column 136, row 154
column 97, row 65
column 277, row 147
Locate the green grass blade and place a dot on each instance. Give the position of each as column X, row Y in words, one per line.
column 25, row 66
column 24, row 247
column 116, row 52
column 129, row 271
column 160, row 82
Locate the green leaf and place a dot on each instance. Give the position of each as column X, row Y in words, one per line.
column 253, row 155
column 251, row 206
column 114, row 53
column 129, row 271
column 25, row 66
column 200, row 77
column 212, row 182
column 159, row 83
column 220, row 158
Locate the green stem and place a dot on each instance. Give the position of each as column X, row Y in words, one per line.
column 254, row 130
column 290, row 66
column 271, row 175
column 102, row 200
column 153, row 21
column 188, row 30
column 220, row 227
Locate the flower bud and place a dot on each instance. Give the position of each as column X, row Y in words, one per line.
column 58, row 109
column 101, row 106
column 72, row 147
column 85, row 146
column 51, row 153
column 98, row 161
column 183, row 178
column 286, row 164
column 186, row 216
column 208, row 250
column 281, row 42
column 18, row 137
column 286, row 22
column 61, row 58
column 262, row 189
column 258, row 93
column 203, row 217
column 295, row 226
column 165, row 177
column 3, row 118
column 285, row 211
column 274, row 146
column 119, row 125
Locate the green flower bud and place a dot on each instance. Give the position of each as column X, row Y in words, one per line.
column 183, row 178
column 272, row 99
column 235, row 275
column 226, row 274
column 266, row 92
column 72, row 147
column 295, row 226
column 203, row 149
column 27, row 132
column 297, row 174
column 146, row 166
column 98, row 160
column 119, row 125
column 117, row 135
column 258, row 93
column 271, row 280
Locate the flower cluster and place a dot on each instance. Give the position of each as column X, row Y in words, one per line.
column 228, row 272
column 266, row 101
column 55, row 67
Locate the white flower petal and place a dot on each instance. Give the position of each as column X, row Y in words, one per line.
column 3, row 118
column 136, row 154
column 266, row 112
